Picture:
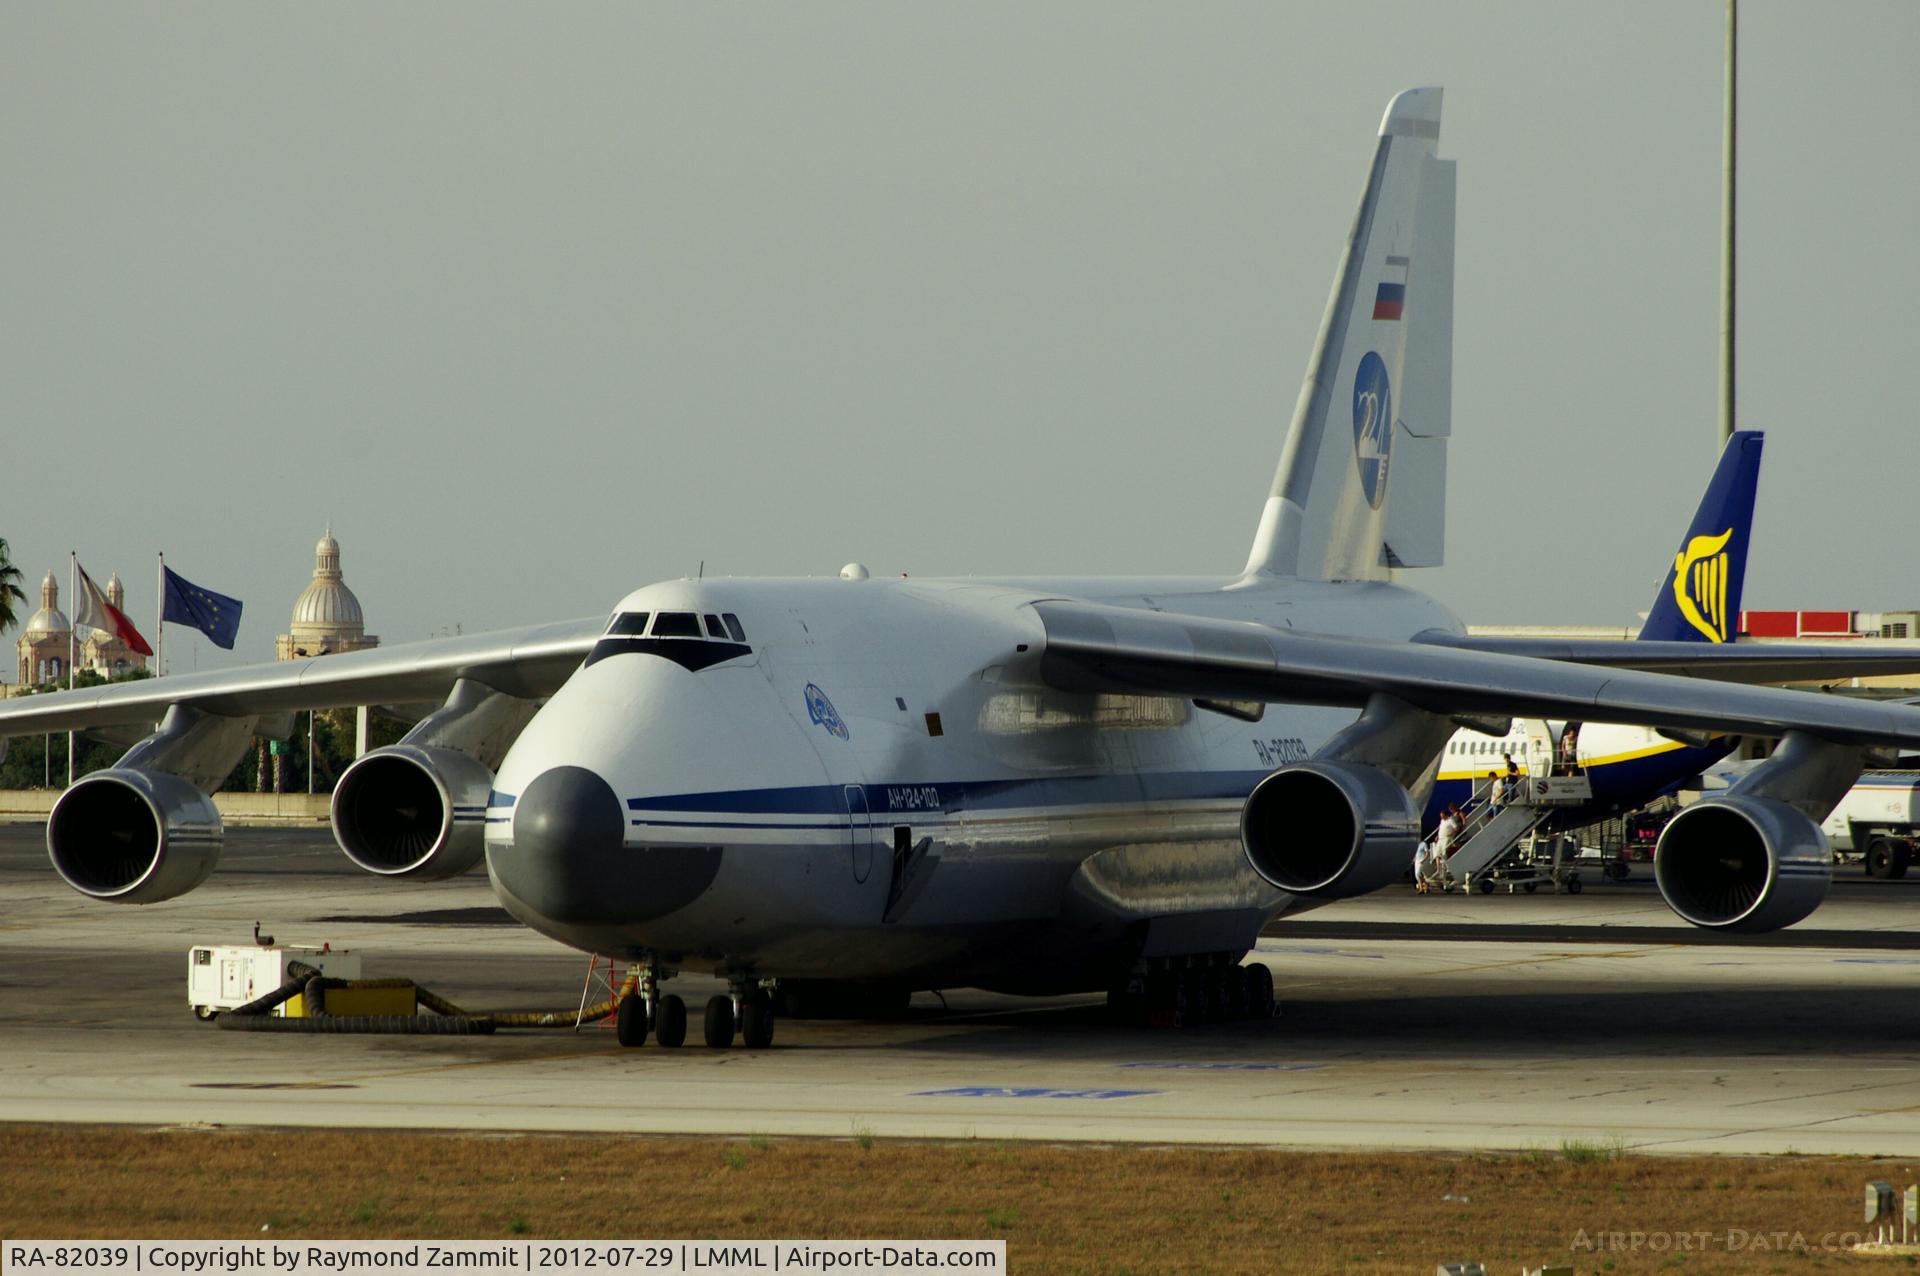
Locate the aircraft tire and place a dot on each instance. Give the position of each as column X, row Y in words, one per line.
column 756, row 1022
column 718, row 1028
column 1167, row 1002
column 630, row 1021
column 1234, row 979
column 1204, row 996
column 1573, row 886
column 670, row 1026
column 1126, row 1007
column 1259, row 991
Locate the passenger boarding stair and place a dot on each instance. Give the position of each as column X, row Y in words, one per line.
column 1493, row 833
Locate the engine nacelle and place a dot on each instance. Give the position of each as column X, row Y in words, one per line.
column 135, row 837
column 412, row 811
column 1742, row 864
column 1329, row 829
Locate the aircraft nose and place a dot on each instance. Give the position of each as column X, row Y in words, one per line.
column 568, row 827
column 569, row 861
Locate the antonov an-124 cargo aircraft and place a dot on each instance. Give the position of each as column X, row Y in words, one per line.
column 1038, row 786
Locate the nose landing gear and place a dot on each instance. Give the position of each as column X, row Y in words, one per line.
column 645, row 1009
column 745, row 1011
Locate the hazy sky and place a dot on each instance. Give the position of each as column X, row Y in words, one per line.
column 540, row 303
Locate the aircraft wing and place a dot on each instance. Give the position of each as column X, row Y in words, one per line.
column 1752, row 662
column 528, row 662
column 1091, row 647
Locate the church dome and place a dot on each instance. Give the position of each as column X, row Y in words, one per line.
column 49, row 619
column 327, row 603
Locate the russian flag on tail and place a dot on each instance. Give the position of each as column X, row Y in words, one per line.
column 1390, row 299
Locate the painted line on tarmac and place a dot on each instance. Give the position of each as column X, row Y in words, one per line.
column 1172, row 1065
column 1027, row 1092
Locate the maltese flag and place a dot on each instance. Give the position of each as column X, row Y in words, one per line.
column 93, row 610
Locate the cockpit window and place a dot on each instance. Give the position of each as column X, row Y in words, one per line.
column 733, row 627
column 715, row 629
column 628, row 622
column 676, row 624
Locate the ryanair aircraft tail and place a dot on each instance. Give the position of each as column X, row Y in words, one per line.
column 1361, row 487
column 1700, row 599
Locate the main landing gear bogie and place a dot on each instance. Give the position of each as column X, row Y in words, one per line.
column 1221, row 992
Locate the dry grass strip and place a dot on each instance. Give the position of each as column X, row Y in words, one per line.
column 1065, row 1209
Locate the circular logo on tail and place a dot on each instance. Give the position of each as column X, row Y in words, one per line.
column 1372, row 425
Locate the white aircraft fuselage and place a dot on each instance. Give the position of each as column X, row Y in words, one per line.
column 877, row 784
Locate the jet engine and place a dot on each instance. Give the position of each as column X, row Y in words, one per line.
column 133, row 836
column 412, row 811
column 1742, row 863
column 1329, row 829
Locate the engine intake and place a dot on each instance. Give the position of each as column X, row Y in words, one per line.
column 412, row 811
column 1329, row 829
column 1742, row 863
column 135, row 837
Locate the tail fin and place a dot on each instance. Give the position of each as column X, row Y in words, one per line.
column 1700, row 599
column 1384, row 354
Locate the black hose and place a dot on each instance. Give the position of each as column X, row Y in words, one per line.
column 389, row 1025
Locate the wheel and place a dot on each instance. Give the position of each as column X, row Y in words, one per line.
column 1259, row 991
column 630, row 1021
column 1233, row 980
column 756, row 1021
column 206, row 1014
column 1166, row 1002
column 670, row 1022
column 719, row 1026
column 1486, row 886
column 1530, row 887
column 1220, row 993
column 1203, row 996
column 1573, row 886
column 1886, row 859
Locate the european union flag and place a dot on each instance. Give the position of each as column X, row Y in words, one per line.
column 215, row 615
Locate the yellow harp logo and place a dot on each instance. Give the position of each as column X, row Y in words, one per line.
column 1700, row 584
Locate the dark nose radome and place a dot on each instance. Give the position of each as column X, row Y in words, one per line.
column 567, row 830
column 569, row 861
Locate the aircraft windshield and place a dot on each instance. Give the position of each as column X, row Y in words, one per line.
column 676, row 624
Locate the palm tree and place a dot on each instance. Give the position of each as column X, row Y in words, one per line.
column 10, row 591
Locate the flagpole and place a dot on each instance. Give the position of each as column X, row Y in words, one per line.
column 73, row 590
column 160, row 617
